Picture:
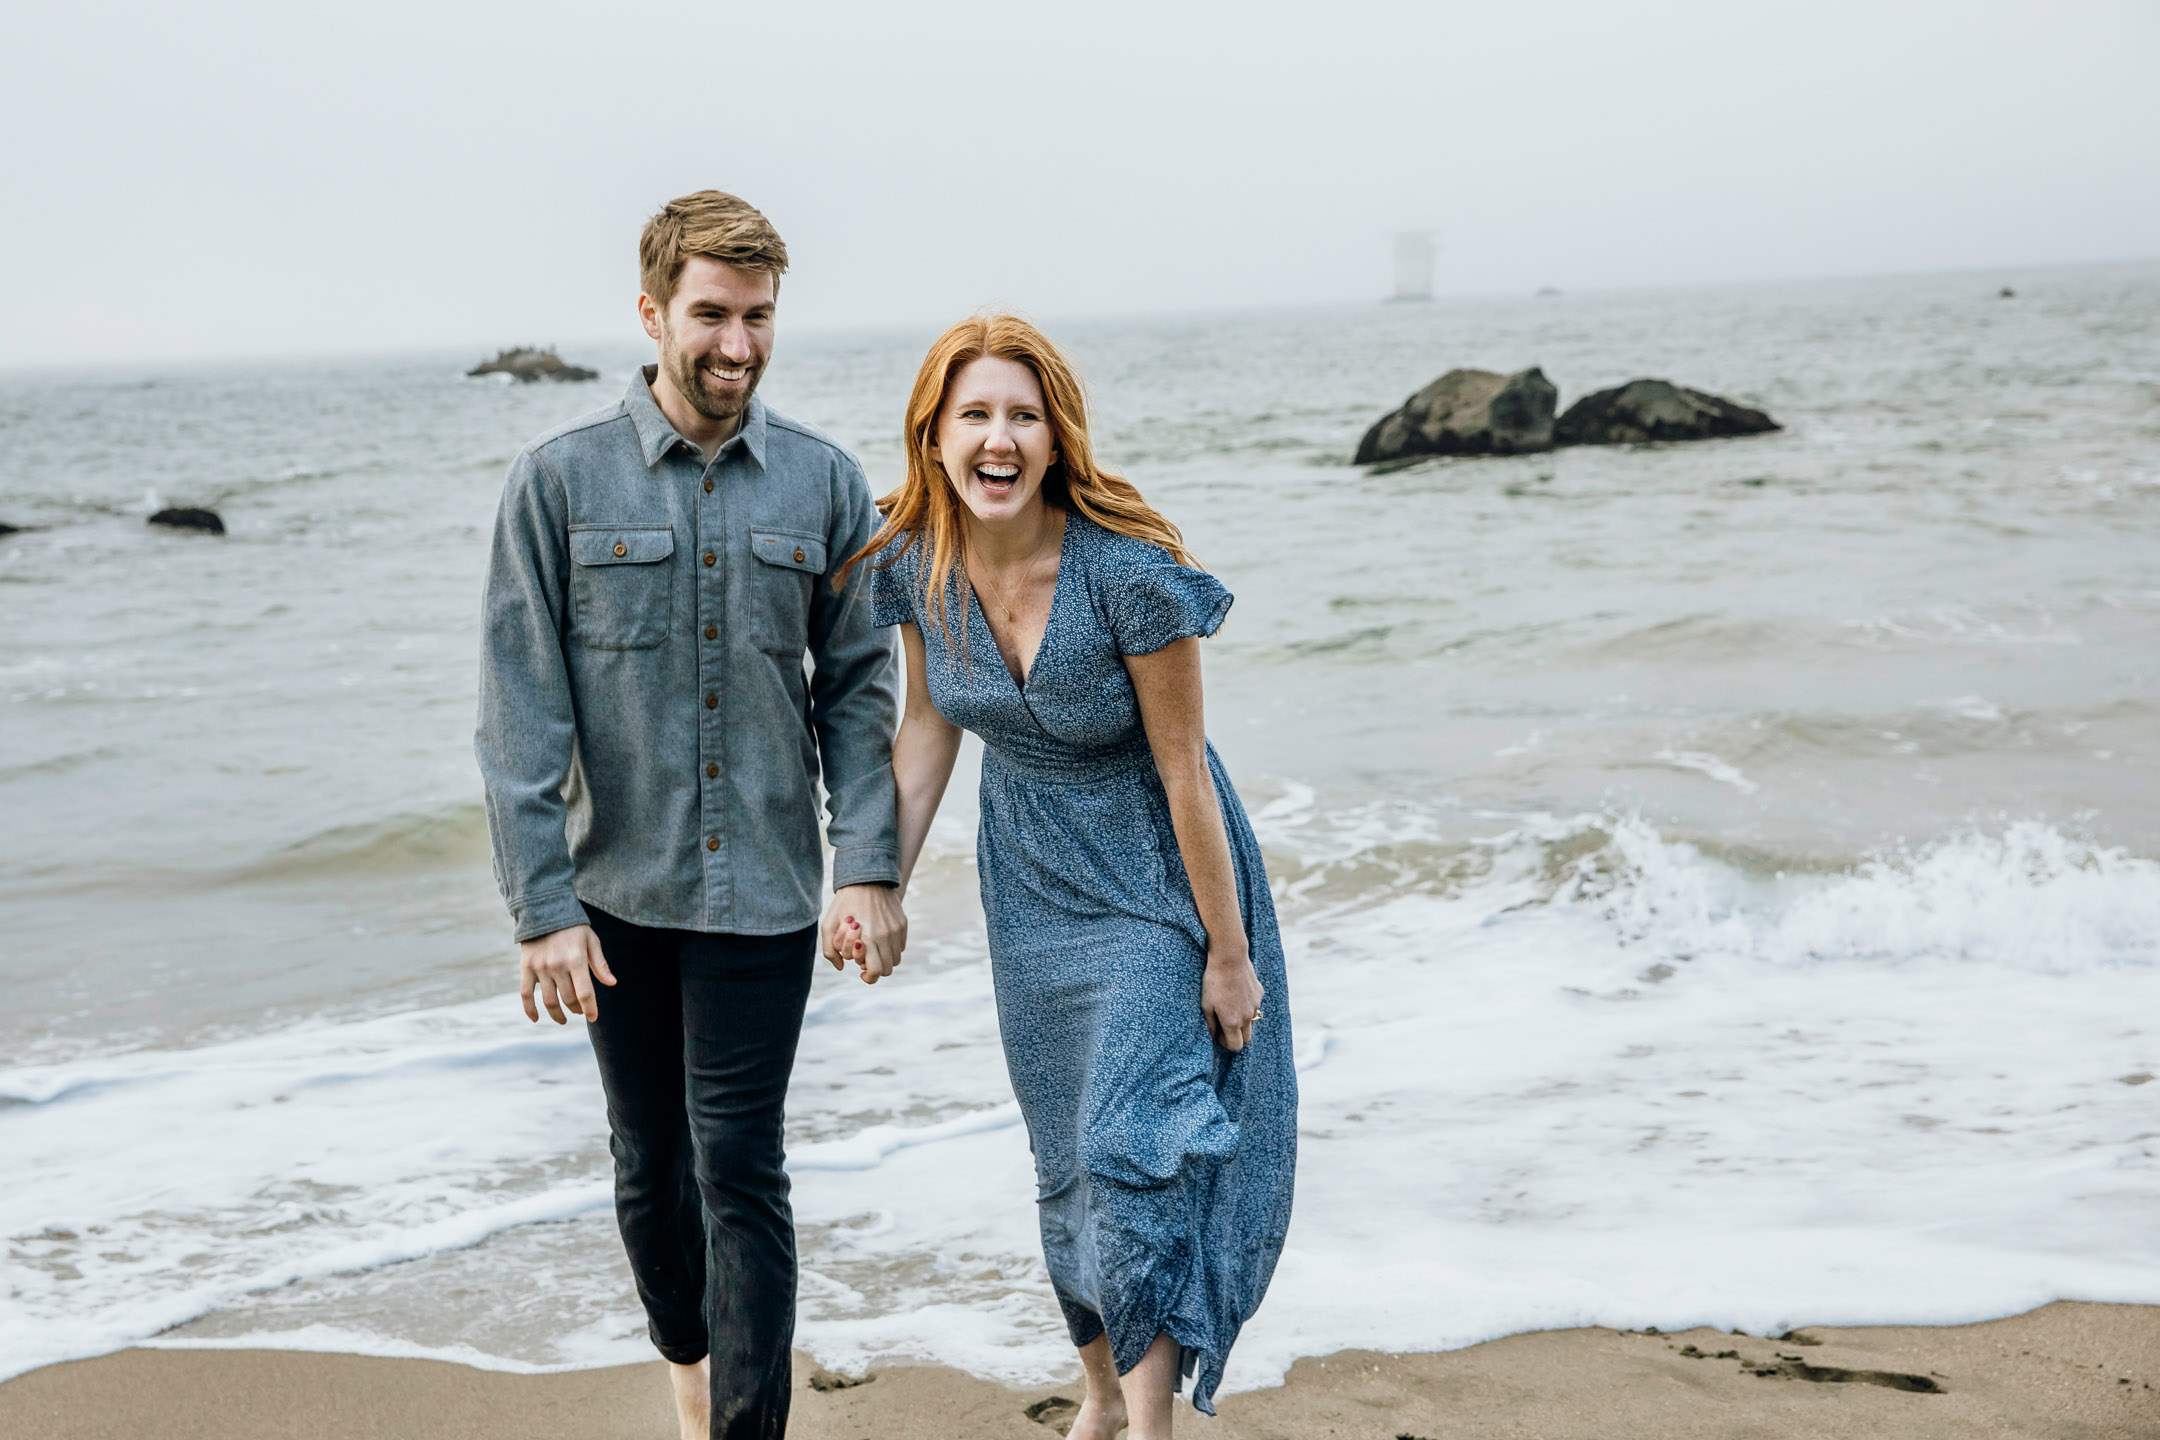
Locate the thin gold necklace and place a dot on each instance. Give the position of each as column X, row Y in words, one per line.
column 1003, row 603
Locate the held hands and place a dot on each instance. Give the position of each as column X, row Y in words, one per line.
column 865, row 924
column 1230, row 997
column 562, row 967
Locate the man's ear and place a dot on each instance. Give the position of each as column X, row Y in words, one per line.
column 649, row 315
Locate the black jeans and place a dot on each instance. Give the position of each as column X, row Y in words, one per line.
column 695, row 1040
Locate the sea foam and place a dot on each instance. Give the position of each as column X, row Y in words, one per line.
column 1579, row 1072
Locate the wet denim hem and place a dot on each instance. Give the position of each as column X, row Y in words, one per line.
column 676, row 1354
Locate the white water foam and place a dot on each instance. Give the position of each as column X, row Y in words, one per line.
column 1704, row 763
column 1597, row 1076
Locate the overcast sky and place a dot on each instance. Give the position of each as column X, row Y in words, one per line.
column 229, row 178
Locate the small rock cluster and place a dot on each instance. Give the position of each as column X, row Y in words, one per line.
column 527, row 363
column 1478, row 412
column 1467, row 412
column 190, row 517
column 185, row 517
column 1646, row 410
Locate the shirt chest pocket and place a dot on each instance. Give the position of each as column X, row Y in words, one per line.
column 789, row 564
column 622, row 592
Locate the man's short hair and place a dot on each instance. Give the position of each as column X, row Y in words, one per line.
column 711, row 223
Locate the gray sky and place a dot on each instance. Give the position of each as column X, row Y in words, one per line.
column 231, row 178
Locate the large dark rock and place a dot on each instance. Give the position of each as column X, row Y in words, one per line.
column 6, row 529
column 527, row 364
column 1467, row 412
column 1655, row 410
column 189, row 517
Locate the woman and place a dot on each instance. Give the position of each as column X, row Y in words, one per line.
column 1050, row 609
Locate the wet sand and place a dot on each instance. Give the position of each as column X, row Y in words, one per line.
column 2076, row 1371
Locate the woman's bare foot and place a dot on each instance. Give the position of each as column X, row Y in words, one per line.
column 1098, row 1420
column 693, row 1399
column 1102, row 1413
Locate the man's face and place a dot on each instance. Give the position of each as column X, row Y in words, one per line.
column 715, row 335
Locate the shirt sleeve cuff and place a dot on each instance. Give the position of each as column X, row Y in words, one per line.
column 865, row 865
column 547, row 912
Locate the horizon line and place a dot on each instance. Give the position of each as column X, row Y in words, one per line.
column 11, row 370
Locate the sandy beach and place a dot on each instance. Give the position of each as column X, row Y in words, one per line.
column 2070, row 1370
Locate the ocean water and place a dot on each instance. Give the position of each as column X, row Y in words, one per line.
column 1722, row 881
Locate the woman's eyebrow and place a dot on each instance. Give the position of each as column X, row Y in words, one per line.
column 963, row 402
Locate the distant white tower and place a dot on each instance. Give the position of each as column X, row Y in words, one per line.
column 1413, row 265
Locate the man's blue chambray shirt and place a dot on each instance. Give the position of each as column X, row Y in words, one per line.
column 648, row 736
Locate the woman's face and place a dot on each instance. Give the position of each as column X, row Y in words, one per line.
column 993, row 438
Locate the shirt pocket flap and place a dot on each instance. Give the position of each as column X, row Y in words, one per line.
column 621, row 545
column 791, row 548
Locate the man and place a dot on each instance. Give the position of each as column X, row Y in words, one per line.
column 651, row 748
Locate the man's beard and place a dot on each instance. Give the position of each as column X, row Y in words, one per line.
column 723, row 406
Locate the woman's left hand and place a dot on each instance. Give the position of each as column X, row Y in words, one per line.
column 1230, row 998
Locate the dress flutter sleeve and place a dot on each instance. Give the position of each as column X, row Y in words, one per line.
column 894, row 586
column 1158, row 600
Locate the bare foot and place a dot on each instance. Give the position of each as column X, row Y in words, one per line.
column 1097, row 1420
column 693, row 1399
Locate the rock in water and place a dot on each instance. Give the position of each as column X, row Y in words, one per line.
column 528, row 364
column 1467, row 412
column 1655, row 410
column 6, row 529
column 189, row 517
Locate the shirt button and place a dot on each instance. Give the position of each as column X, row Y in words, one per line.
column 708, row 487
column 712, row 632
column 621, row 549
column 798, row 555
column 712, row 772
column 712, row 702
column 711, row 558
column 712, row 842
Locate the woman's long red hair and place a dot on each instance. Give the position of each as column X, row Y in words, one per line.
column 927, row 510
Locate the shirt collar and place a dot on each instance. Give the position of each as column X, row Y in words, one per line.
column 656, row 437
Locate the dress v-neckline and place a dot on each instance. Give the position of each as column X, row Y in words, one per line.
column 1042, row 646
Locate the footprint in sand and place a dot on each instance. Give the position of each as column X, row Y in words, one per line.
column 1792, row 1367
column 1057, row 1412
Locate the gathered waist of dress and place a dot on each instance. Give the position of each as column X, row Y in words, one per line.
column 1063, row 765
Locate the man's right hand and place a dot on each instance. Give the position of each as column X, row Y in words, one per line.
column 561, row 968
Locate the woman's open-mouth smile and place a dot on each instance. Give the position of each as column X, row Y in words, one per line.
column 997, row 479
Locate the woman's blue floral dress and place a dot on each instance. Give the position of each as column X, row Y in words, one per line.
column 1163, row 1162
